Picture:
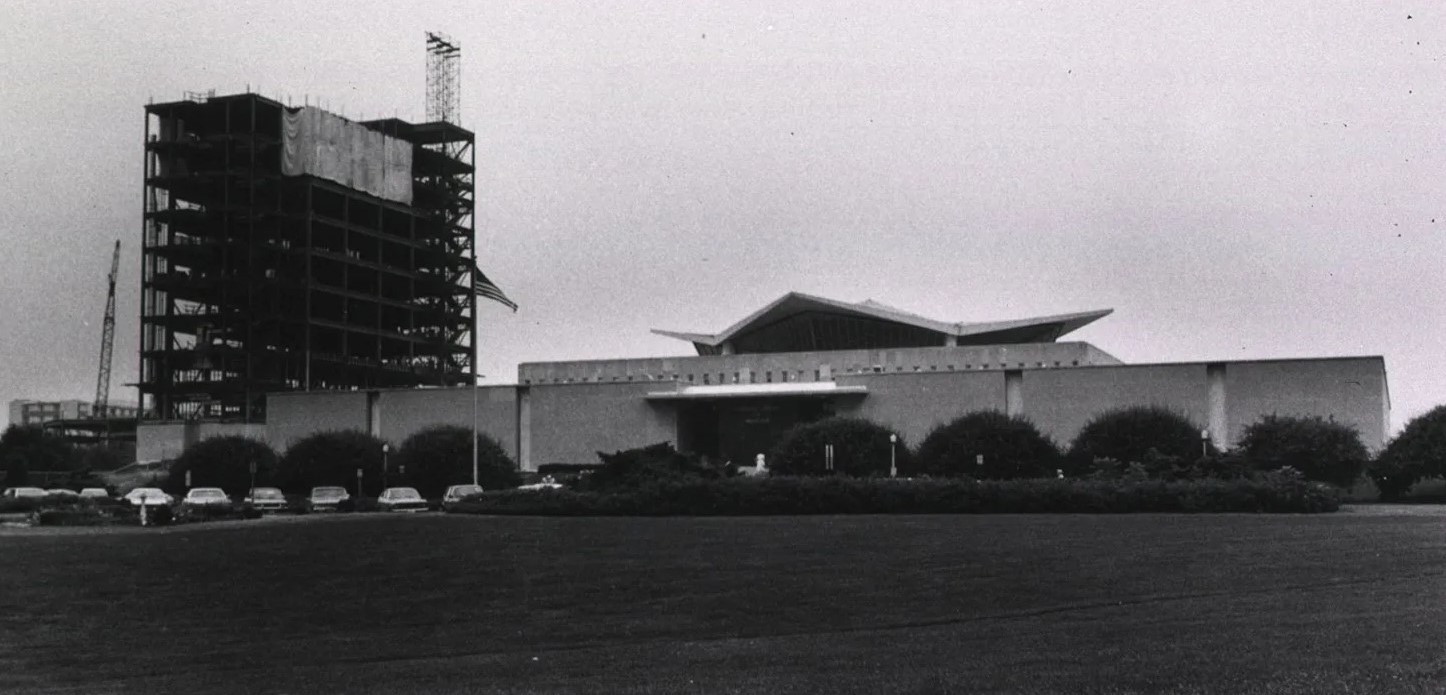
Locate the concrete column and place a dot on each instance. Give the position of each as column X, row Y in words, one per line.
column 726, row 348
column 1219, row 423
column 524, row 429
column 374, row 413
column 1014, row 392
column 951, row 340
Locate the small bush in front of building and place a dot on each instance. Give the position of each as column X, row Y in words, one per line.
column 1417, row 453
column 647, row 465
column 1011, row 447
column 860, row 448
column 1320, row 449
column 1129, row 434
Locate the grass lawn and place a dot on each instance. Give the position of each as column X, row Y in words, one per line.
column 1339, row 603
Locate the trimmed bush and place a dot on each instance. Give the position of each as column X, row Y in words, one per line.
column 332, row 458
column 223, row 462
column 647, row 465
column 441, row 456
column 1320, row 449
column 1417, row 453
column 1128, row 434
column 1011, row 446
column 861, row 448
column 1277, row 492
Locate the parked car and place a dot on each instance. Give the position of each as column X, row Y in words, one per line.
column 266, row 499
column 148, row 496
column 61, row 493
column 547, row 483
column 457, row 493
column 94, row 493
column 326, row 498
column 206, row 497
column 12, row 493
column 401, row 499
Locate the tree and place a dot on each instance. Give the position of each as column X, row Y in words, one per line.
column 37, row 449
column 860, row 448
column 16, row 472
column 223, row 462
column 1417, row 453
column 441, row 456
column 1320, row 449
column 332, row 458
column 1012, row 447
column 1128, row 434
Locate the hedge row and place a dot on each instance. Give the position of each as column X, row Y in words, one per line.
column 1281, row 492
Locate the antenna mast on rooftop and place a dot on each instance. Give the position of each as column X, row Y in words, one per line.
column 444, row 78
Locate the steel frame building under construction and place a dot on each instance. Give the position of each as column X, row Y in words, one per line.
column 292, row 249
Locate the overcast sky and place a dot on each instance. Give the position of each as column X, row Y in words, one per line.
column 1236, row 179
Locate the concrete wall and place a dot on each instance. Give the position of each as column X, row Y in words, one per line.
column 1350, row 390
column 292, row 416
column 570, row 423
column 913, row 403
column 1060, row 402
column 159, row 441
column 402, row 413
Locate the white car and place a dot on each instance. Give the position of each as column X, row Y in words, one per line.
column 94, row 493
column 148, row 496
column 206, row 497
column 62, row 493
column 12, row 493
column 457, row 493
column 402, row 499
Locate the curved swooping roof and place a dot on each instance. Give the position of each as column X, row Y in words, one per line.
column 798, row 322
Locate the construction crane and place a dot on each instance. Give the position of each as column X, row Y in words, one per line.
column 107, row 340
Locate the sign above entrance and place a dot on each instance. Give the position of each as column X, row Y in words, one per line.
column 801, row 389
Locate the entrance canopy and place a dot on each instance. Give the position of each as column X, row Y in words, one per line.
column 798, row 322
column 798, row 390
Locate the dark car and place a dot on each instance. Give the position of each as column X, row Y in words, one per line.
column 327, row 498
column 266, row 499
column 457, row 493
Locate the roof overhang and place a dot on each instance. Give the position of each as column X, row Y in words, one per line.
column 1043, row 328
column 805, row 389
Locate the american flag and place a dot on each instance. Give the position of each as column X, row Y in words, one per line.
column 489, row 290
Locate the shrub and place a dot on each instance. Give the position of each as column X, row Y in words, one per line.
column 223, row 462
column 440, row 456
column 647, row 465
column 1277, row 492
column 1418, row 452
column 861, row 448
column 332, row 458
column 1128, row 434
column 1321, row 450
column 1011, row 446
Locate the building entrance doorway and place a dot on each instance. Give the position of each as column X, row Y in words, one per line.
column 738, row 429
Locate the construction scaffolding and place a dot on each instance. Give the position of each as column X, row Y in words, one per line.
column 280, row 253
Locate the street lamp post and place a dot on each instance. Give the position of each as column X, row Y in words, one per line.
column 386, row 449
column 893, row 456
column 1204, row 443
